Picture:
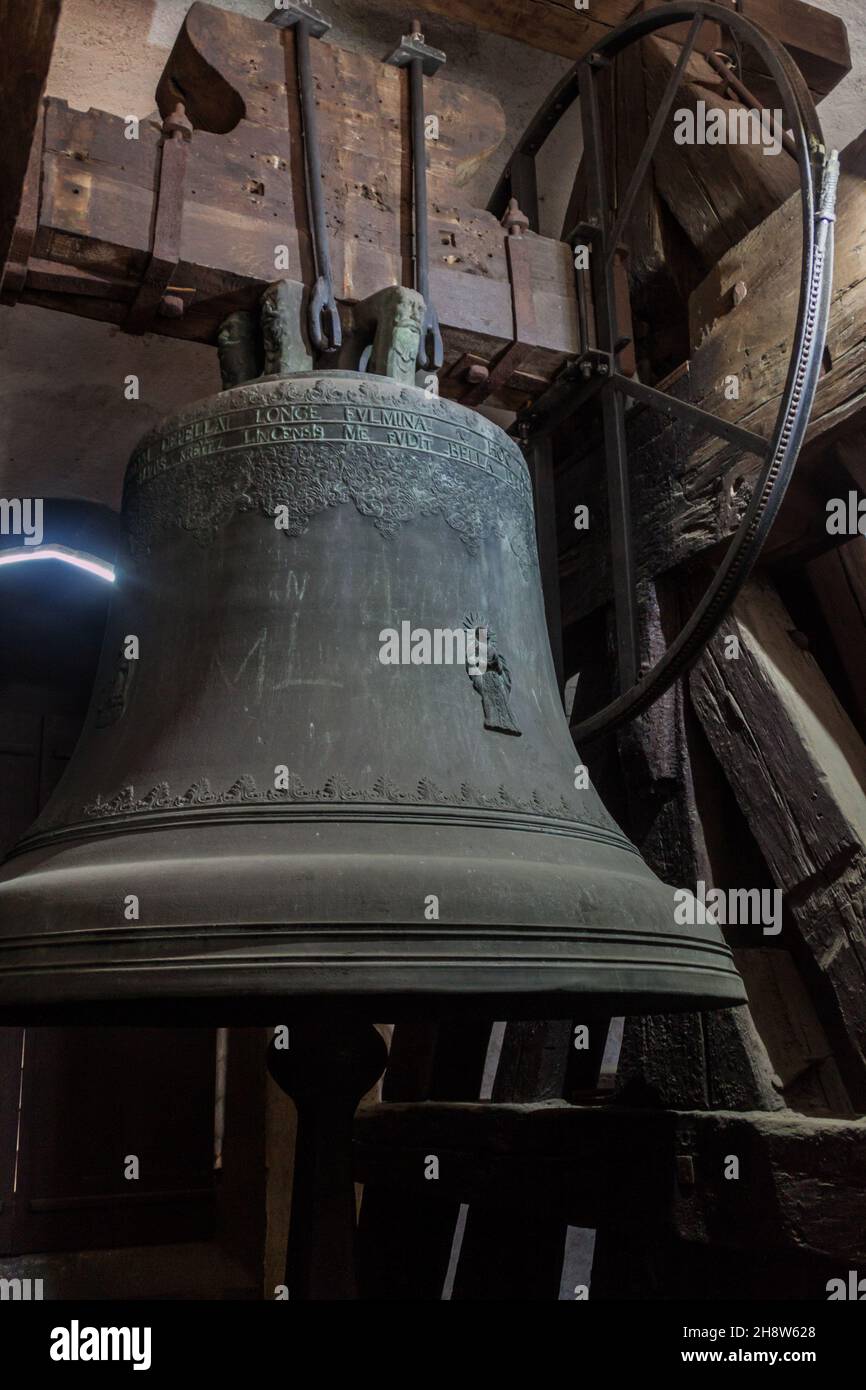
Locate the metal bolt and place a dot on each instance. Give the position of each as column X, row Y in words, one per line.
column 177, row 126
column 171, row 306
column 514, row 221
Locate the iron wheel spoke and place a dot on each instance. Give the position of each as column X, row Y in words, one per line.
column 666, row 404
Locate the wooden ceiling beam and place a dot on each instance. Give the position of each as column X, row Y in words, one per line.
column 818, row 41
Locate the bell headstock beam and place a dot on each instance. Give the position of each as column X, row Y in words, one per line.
column 244, row 194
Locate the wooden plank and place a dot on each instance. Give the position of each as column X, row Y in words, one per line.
column 28, row 40
column 752, row 340
column 798, row 768
column 816, row 39
column 555, row 26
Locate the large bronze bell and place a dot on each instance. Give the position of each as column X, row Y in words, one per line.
column 261, row 808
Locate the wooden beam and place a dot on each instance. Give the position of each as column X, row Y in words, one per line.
column 798, row 769
column 92, row 243
column 720, row 195
column 838, row 581
column 818, row 41
column 245, row 198
column 28, row 40
column 635, row 1168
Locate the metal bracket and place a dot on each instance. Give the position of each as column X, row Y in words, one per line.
column 582, row 232
column 411, row 46
column 291, row 12
column 594, row 362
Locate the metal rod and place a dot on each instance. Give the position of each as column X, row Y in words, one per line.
column 717, row 62
column 419, row 179
column 691, row 414
column 654, row 135
column 613, row 406
column 323, row 313
column 430, row 352
column 330, row 1064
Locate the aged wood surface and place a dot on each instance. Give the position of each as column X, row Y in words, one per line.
column 800, row 1178
column 798, row 768
column 691, row 491
column 718, row 195
column 817, row 41
column 838, row 580
column 27, row 42
column 245, row 196
column 712, row 1060
column 793, row 1032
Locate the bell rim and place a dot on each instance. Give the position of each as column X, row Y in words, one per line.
column 229, row 973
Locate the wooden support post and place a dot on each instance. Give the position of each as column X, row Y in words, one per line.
column 326, row 1069
column 798, row 769
column 677, row 1061
column 406, row 1237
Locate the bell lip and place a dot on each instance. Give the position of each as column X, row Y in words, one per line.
column 184, row 979
column 269, row 1007
column 545, row 924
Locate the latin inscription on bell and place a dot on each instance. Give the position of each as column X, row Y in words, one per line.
column 326, row 423
column 291, row 450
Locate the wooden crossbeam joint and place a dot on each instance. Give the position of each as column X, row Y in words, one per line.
column 515, row 353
